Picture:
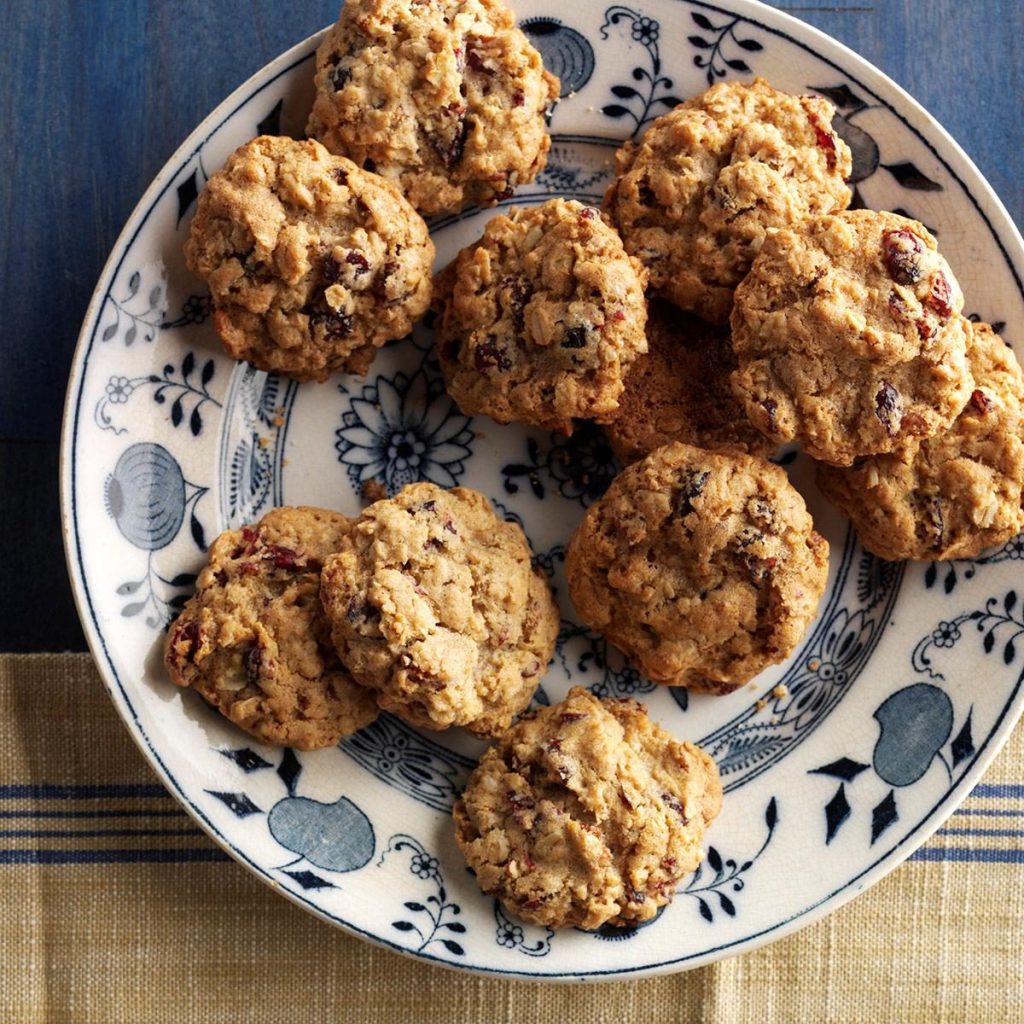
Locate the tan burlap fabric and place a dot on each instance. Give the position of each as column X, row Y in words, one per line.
column 202, row 941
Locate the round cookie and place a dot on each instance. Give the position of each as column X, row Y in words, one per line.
column 446, row 98
column 679, row 391
column 253, row 640
column 433, row 602
column 849, row 337
column 312, row 263
column 539, row 321
column 586, row 813
column 695, row 198
column 703, row 567
column 957, row 493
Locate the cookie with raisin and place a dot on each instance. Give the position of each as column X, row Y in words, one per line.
column 679, row 391
column 957, row 493
column 849, row 337
column 696, row 197
column 704, row 568
column 312, row 262
column 444, row 98
column 586, row 814
column 253, row 640
column 540, row 320
column 434, row 604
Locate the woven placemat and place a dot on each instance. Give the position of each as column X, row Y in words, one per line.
column 115, row 907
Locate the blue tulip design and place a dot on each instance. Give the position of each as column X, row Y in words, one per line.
column 915, row 723
column 336, row 837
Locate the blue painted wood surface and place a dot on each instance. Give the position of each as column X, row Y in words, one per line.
column 96, row 94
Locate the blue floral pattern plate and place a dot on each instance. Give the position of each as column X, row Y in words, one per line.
column 837, row 764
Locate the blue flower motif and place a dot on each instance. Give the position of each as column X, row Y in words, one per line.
column 402, row 429
column 118, row 389
column 424, row 866
column 645, row 30
column 509, row 935
column 945, row 634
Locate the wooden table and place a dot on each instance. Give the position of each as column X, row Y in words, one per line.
column 97, row 94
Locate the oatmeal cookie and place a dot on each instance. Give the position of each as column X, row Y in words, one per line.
column 679, row 391
column 849, row 337
column 539, row 321
column 586, row 813
column 957, row 493
column 312, row 263
column 445, row 98
column 254, row 642
column 696, row 196
column 703, row 567
column 434, row 604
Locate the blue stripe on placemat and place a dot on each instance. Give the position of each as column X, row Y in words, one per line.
column 933, row 853
column 109, row 856
column 990, row 812
column 32, row 813
column 1010, row 789
column 44, row 791
column 121, row 833
column 1003, row 833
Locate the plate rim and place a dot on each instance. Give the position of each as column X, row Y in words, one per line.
column 774, row 21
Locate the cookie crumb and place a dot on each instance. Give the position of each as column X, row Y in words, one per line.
column 780, row 691
column 373, row 490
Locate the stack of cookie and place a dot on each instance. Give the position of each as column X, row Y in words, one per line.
column 723, row 302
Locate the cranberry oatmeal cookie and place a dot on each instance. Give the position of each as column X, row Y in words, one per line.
column 446, row 98
column 957, row 493
column 540, row 320
column 435, row 605
column 254, row 642
column 696, row 196
column 586, row 813
column 849, row 337
column 679, row 391
column 312, row 263
column 703, row 567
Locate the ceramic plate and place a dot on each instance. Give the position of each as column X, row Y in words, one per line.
column 900, row 694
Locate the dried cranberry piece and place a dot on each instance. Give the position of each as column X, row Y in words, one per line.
column 671, row 802
column 251, row 662
column 980, row 401
column 826, row 139
column 531, row 670
column 770, row 407
column 924, row 328
column 668, row 863
column 449, row 525
column 889, row 408
column 506, row 193
column 571, row 716
column 451, row 150
column 490, row 355
column 335, row 325
column 518, row 294
column 897, row 306
column 693, row 485
column 359, row 261
column 330, row 270
column 476, row 63
column 340, row 175
column 588, row 213
column 283, row 558
column 186, row 635
column 575, row 337
column 940, row 298
column 518, row 98
column 900, row 251
column 339, row 76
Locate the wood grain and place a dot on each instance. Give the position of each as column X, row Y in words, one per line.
column 96, row 94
